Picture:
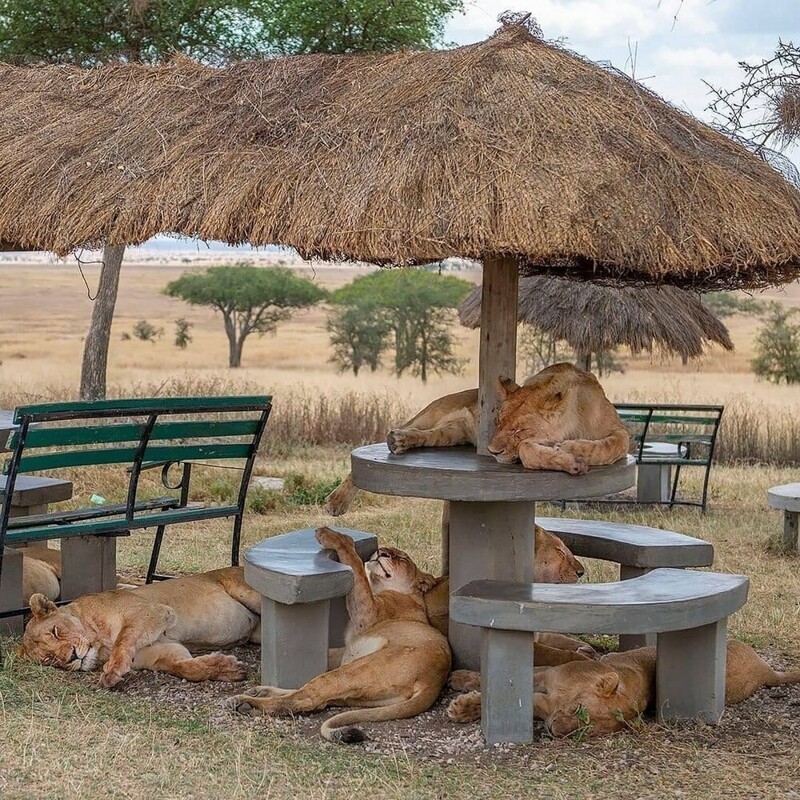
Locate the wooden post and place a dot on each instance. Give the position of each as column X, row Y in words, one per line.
column 498, row 351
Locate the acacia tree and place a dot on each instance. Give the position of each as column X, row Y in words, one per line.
column 777, row 346
column 92, row 32
column 359, row 335
column 418, row 307
column 250, row 299
column 293, row 27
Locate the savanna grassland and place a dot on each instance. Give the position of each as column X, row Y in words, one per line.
column 62, row 737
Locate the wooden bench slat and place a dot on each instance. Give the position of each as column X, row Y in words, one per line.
column 109, row 527
column 122, row 455
column 131, row 432
column 59, row 517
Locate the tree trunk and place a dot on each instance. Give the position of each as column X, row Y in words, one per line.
column 583, row 361
column 235, row 351
column 95, row 349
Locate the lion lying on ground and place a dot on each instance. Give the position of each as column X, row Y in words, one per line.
column 603, row 696
column 553, row 563
column 560, row 419
column 41, row 573
column 395, row 662
column 149, row 627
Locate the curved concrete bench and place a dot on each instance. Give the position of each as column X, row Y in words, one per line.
column 787, row 499
column 687, row 610
column 303, row 612
column 636, row 548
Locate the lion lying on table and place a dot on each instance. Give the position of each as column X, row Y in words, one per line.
column 603, row 696
column 149, row 627
column 395, row 662
column 560, row 419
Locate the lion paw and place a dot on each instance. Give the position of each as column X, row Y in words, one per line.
column 399, row 442
column 331, row 539
column 588, row 651
column 266, row 691
column 240, row 704
column 464, row 680
column 580, row 467
column 465, row 708
column 110, row 679
column 224, row 667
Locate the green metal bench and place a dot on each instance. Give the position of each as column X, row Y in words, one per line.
column 140, row 434
column 667, row 437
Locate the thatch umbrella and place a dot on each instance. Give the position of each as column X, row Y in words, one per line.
column 509, row 147
column 592, row 318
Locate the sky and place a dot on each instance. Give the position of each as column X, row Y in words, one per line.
column 672, row 46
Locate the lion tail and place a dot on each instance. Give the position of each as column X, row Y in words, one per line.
column 783, row 678
column 341, row 727
column 342, row 497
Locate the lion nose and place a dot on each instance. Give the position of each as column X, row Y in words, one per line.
column 579, row 570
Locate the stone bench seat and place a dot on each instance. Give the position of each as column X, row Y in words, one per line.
column 32, row 494
column 303, row 610
column 687, row 610
column 636, row 548
column 786, row 498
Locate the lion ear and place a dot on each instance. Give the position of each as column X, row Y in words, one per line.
column 607, row 684
column 41, row 606
column 506, row 387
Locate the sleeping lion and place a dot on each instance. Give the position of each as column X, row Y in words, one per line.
column 149, row 627
column 560, row 419
column 395, row 662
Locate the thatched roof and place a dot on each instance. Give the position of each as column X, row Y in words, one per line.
column 594, row 318
column 508, row 147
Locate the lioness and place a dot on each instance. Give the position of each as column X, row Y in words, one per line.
column 603, row 696
column 149, row 627
column 395, row 662
column 553, row 563
column 560, row 419
column 41, row 573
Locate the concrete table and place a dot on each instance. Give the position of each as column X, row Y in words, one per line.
column 787, row 499
column 492, row 508
column 7, row 427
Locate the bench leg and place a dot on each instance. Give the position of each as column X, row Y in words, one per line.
column 507, row 686
column 88, row 564
column 494, row 541
column 294, row 642
column 630, row 641
column 790, row 528
column 690, row 673
column 11, row 592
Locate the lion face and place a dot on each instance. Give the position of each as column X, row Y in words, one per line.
column 528, row 411
column 390, row 569
column 553, row 561
column 583, row 694
column 57, row 638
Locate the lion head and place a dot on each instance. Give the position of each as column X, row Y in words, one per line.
column 585, row 695
column 390, row 569
column 535, row 410
column 553, row 561
column 56, row 637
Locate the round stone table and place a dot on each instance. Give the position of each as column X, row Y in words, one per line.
column 492, row 509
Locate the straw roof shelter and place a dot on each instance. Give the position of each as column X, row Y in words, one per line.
column 594, row 318
column 511, row 148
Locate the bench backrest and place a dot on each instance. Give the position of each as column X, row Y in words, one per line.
column 692, row 425
column 139, row 433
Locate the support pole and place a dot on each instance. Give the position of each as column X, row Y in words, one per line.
column 498, row 351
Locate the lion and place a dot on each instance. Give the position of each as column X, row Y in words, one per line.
column 149, row 627
column 553, row 563
column 559, row 419
column 604, row 696
column 41, row 573
column 394, row 663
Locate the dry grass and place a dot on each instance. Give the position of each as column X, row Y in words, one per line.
column 63, row 739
